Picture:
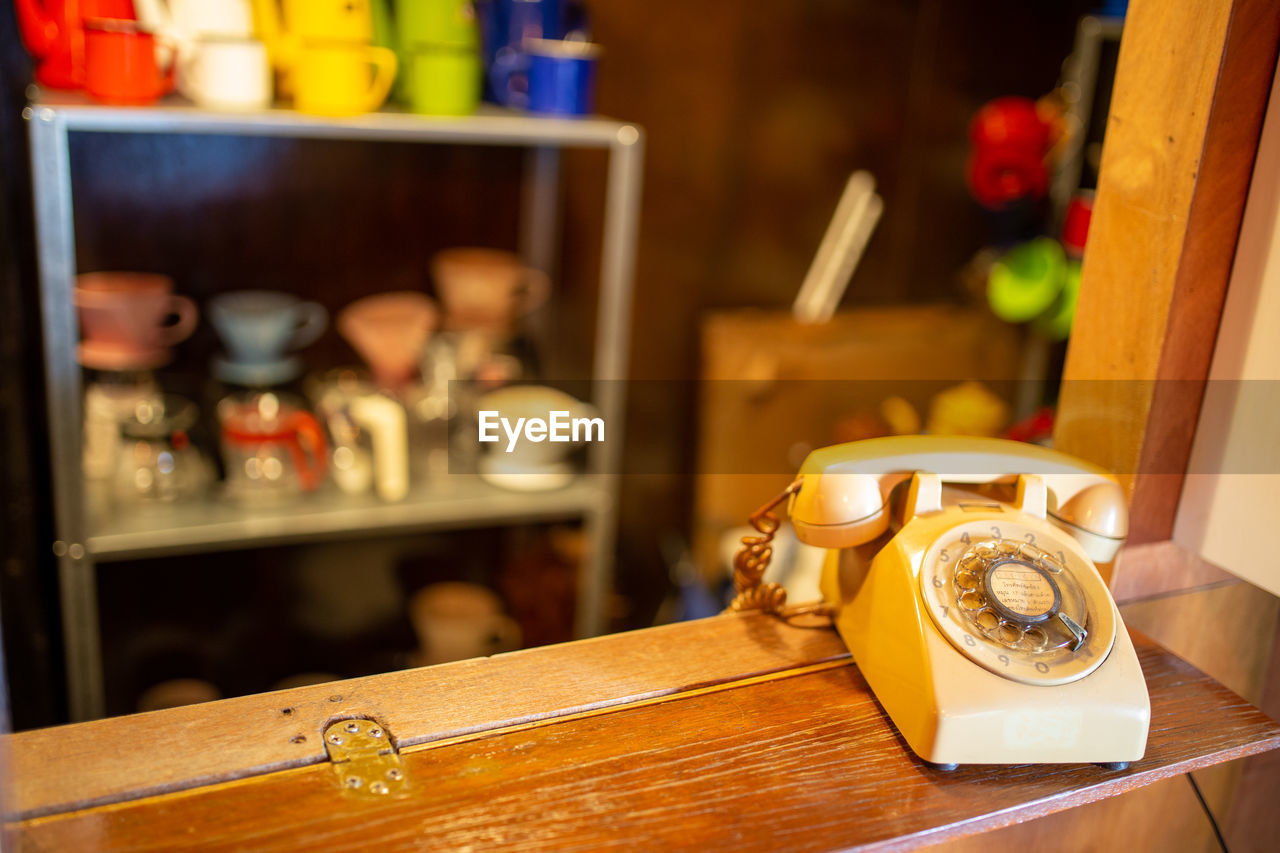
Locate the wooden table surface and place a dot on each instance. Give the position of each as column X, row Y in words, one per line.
column 736, row 732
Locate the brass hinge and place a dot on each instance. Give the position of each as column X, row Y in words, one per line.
column 366, row 763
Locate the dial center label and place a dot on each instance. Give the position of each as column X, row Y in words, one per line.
column 1022, row 589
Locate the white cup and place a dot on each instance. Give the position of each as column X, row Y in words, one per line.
column 228, row 74
column 200, row 18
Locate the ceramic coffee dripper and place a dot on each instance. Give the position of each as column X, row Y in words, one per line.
column 271, row 447
column 459, row 621
column 389, row 331
column 259, row 327
column 128, row 320
column 486, row 289
column 530, row 466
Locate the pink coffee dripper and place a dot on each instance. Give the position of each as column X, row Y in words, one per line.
column 389, row 331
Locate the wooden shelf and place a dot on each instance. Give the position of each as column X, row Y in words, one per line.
column 737, row 732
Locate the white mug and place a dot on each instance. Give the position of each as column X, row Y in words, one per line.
column 228, row 74
column 183, row 23
column 200, row 18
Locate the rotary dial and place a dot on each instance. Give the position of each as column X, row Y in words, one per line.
column 1018, row 601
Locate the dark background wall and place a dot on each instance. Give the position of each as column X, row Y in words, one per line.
column 755, row 114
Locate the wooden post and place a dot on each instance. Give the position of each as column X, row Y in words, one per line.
column 1186, row 113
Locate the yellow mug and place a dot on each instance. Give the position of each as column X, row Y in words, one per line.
column 336, row 79
column 303, row 21
column 329, row 20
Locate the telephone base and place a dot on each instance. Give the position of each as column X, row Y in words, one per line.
column 958, row 698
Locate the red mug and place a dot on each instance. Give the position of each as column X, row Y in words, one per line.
column 120, row 63
column 53, row 31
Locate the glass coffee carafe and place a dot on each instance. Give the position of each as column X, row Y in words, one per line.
column 156, row 461
column 273, row 449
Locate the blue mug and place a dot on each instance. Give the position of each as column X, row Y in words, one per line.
column 562, row 76
column 506, row 26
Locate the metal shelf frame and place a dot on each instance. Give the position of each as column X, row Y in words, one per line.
column 51, row 120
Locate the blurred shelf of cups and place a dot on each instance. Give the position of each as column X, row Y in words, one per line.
column 328, row 58
column 135, row 466
column 407, row 417
column 298, row 465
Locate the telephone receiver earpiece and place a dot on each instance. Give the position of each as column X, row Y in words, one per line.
column 843, row 499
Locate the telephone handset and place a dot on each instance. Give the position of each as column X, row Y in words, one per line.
column 981, row 624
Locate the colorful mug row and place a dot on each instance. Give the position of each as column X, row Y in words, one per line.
column 328, row 57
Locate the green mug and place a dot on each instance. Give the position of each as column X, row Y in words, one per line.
column 436, row 22
column 442, row 79
column 427, row 36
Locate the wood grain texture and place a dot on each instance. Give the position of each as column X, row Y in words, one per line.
column 1204, row 269
column 127, row 757
column 801, row 763
column 1186, row 113
column 1161, row 568
column 1227, row 630
column 1254, row 821
column 1162, row 816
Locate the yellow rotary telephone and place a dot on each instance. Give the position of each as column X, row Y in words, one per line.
column 961, row 574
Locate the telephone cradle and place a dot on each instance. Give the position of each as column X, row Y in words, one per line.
column 961, row 576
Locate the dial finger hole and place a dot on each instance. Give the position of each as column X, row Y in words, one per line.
column 1028, row 552
column 986, row 550
column 1009, row 633
column 1035, row 638
column 968, row 581
column 969, row 563
column 972, row 601
column 987, row 620
column 1049, row 563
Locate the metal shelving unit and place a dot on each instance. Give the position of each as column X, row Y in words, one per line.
column 465, row 501
column 212, row 524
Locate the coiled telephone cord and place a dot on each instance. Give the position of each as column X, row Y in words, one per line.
column 751, row 561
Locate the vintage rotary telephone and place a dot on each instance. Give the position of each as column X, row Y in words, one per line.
column 961, row 576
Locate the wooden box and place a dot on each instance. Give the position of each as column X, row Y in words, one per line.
column 737, row 732
column 772, row 389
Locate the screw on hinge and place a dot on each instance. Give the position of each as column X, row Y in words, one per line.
column 364, row 759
